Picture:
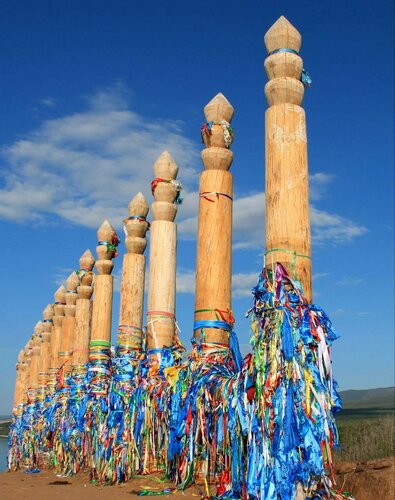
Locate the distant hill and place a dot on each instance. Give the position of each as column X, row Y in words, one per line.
column 382, row 398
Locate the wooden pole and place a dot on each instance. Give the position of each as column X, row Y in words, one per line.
column 66, row 353
column 45, row 347
column 163, row 243
column 133, row 276
column 287, row 190
column 214, row 242
column 20, row 366
column 102, row 300
column 56, row 337
column 36, row 355
column 83, row 311
column 26, row 380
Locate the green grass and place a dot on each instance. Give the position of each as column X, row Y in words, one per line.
column 4, row 429
column 366, row 435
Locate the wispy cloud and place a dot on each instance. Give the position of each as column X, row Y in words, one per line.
column 242, row 283
column 318, row 184
column 350, row 281
column 49, row 102
column 86, row 167
column 318, row 276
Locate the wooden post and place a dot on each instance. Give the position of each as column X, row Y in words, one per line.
column 83, row 311
column 36, row 355
column 214, row 242
column 133, row 277
column 163, row 242
column 56, row 337
column 20, row 366
column 66, row 352
column 287, row 190
column 102, row 300
column 28, row 349
column 45, row 347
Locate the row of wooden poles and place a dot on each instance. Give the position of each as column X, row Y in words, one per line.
column 62, row 339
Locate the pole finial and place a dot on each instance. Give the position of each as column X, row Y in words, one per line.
column 219, row 108
column 136, row 225
column 282, row 35
column 106, row 248
column 60, row 295
column 165, row 167
column 165, row 189
column 87, row 260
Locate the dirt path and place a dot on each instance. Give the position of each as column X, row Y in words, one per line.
column 372, row 480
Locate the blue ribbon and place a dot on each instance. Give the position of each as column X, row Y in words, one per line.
column 305, row 77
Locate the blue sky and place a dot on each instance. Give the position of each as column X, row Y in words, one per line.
column 92, row 92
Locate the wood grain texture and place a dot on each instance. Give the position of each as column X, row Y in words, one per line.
column 102, row 308
column 287, row 188
column 162, row 283
column 214, row 249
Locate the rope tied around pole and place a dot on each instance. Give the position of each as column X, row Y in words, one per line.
column 220, row 325
column 292, row 252
column 111, row 246
column 220, row 313
column 305, row 77
column 206, row 194
column 138, row 218
column 176, row 184
column 206, row 130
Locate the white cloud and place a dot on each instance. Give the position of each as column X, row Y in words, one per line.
column 350, row 281
column 332, row 228
column 318, row 183
column 242, row 283
column 49, row 102
column 86, row 167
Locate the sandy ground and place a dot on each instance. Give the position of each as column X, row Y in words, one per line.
column 372, row 480
column 47, row 486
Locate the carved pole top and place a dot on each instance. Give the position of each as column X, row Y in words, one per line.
column 85, row 275
column 136, row 225
column 107, row 248
column 38, row 328
column 138, row 206
column 219, row 108
column 60, row 295
column 87, row 261
column 165, row 189
column 21, row 356
column 217, row 134
column 48, row 312
column 106, row 232
column 60, row 302
column 72, row 282
column 165, row 167
column 283, row 65
column 282, row 35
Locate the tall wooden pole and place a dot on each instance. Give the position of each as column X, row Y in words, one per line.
column 102, row 300
column 66, row 353
column 56, row 337
column 25, row 380
column 45, row 348
column 214, row 242
column 83, row 311
column 133, row 277
column 287, row 191
column 162, row 269
column 20, row 367
column 36, row 355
